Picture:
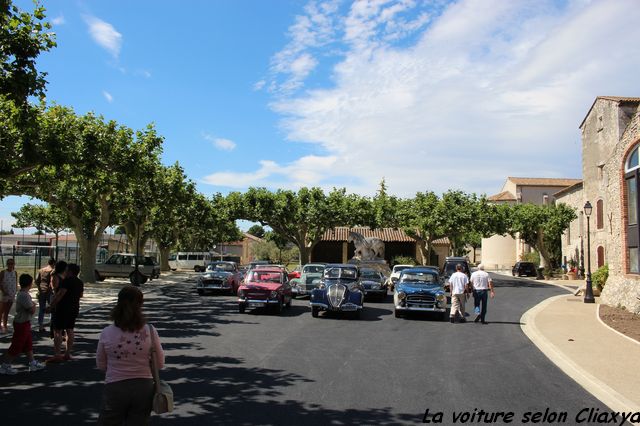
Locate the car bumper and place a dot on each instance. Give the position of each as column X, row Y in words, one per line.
column 377, row 292
column 213, row 286
column 421, row 308
column 258, row 302
column 345, row 307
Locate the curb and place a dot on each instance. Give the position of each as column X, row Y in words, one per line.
column 613, row 329
column 608, row 396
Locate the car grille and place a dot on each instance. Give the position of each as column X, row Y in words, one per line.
column 309, row 281
column 421, row 299
column 257, row 294
column 336, row 294
column 213, row 281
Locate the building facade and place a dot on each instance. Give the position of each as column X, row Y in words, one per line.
column 611, row 182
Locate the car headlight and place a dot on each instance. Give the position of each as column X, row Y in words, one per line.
column 273, row 294
column 322, row 286
column 240, row 293
column 441, row 298
column 394, row 279
column 402, row 295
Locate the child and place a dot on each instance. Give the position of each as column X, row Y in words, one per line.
column 21, row 339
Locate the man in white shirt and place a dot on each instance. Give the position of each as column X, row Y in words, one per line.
column 458, row 282
column 482, row 286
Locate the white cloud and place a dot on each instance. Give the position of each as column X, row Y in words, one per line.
column 487, row 90
column 220, row 143
column 107, row 96
column 58, row 20
column 105, row 35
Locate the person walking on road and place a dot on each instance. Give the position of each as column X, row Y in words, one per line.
column 21, row 341
column 458, row 283
column 59, row 274
column 124, row 350
column 8, row 289
column 66, row 304
column 43, row 281
column 482, row 288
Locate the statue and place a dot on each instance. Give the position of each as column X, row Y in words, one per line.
column 366, row 248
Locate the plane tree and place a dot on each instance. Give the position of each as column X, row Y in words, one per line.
column 45, row 218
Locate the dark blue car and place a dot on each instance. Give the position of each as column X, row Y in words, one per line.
column 339, row 291
column 420, row 289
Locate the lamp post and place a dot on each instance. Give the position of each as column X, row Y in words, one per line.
column 588, row 293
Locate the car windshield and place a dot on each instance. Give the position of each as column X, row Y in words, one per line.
column 265, row 276
column 313, row 269
column 419, row 277
column 220, row 267
column 450, row 268
column 343, row 273
column 371, row 275
column 400, row 268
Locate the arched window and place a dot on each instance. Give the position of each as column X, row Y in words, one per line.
column 599, row 215
column 600, row 256
column 632, row 179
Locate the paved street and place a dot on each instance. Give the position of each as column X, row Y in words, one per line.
column 257, row 368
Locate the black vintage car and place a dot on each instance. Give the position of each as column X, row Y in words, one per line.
column 339, row 291
column 526, row 269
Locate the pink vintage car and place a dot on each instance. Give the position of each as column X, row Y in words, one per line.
column 265, row 287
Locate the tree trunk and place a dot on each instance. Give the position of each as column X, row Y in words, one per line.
column 88, row 248
column 305, row 254
column 425, row 251
column 164, row 258
column 545, row 260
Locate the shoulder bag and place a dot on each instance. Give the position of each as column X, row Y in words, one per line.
column 163, row 395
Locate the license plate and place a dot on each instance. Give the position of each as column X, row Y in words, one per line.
column 257, row 304
column 349, row 308
column 214, row 286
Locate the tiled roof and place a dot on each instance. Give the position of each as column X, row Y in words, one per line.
column 609, row 98
column 388, row 235
column 503, row 196
column 568, row 189
column 543, row 181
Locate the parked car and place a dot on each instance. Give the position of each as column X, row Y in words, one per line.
column 374, row 283
column 265, row 287
column 339, row 291
column 219, row 276
column 122, row 265
column 196, row 261
column 309, row 279
column 296, row 273
column 395, row 274
column 449, row 268
column 420, row 289
column 527, row 269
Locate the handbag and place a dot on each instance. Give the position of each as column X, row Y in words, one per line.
column 163, row 395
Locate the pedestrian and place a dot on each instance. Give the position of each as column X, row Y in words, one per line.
column 66, row 305
column 124, row 351
column 8, row 289
column 458, row 283
column 43, row 282
column 21, row 340
column 58, row 276
column 482, row 288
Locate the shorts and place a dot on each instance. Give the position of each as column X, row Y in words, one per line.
column 6, row 298
column 21, row 340
column 64, row 321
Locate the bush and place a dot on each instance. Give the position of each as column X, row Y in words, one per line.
column 599, row 278
column 403, row 260
column 533, row 257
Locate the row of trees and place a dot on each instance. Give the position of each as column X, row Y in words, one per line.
column 94, row 173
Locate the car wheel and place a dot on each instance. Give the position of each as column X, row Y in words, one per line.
column 200, row 292
column 288, row 305
column 279, row 307
column 241, row 308
column 397, row 314
column 232, row 291
column 315, row 311
column 356, row 314
column 98, row 277
column 443, row 316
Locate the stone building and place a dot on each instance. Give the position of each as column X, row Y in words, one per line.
column 611, row 182
column 501, row 252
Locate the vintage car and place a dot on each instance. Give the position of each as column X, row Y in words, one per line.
column 265, row 287
column 374, row 283
column 123, row 265
column 395, row 274
column 419, row 289
column 339, row 291
column 219, row 276
column 309, row 279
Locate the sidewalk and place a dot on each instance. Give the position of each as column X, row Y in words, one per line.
column 571, row 334
column 104, row 293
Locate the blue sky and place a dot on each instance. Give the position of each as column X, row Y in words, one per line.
column 284, row 93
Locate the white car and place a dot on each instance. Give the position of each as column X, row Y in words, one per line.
column 395, row 274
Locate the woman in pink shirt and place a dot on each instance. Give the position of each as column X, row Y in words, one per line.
column 124, row 353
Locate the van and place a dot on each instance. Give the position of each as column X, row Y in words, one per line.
column 189, row 260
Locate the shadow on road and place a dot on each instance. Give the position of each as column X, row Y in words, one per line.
column 208, row 389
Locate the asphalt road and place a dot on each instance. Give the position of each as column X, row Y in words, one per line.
column 260, row 368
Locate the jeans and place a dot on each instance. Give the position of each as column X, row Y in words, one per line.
column 481, row 297
column 43, row 300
